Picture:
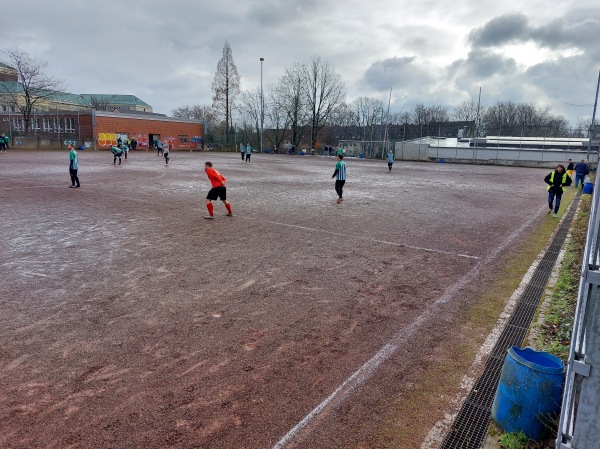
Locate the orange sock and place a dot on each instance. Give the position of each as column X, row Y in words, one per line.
column 228, row 206
column 209, row 206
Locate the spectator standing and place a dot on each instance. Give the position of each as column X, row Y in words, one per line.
column 242, row 151
column 133, row 143
column 557, row 180
column 570, row 167
column 340, row 177
column 73, row 167
column 581, row 170
column 7, row 141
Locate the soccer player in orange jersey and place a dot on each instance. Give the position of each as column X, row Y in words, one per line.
column 218, row 190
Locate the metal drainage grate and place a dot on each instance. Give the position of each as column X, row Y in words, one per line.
column 472, row 422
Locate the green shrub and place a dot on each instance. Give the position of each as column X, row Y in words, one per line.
column 514, row 440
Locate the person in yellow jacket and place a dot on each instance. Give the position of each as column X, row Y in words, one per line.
column 557, row 180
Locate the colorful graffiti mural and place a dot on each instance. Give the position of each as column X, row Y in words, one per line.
column 107, row 139
column 142, row 140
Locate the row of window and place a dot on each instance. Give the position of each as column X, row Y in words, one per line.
column 49, row 125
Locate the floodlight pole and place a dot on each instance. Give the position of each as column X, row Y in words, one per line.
column 592, row 126
column 385, row 134
column 262, row 105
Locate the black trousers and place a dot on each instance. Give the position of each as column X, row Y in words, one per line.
column 74, row 177
column 339, row 187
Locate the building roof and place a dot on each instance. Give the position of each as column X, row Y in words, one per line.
column 57, row 96
column 115, row 99
column 4, row 66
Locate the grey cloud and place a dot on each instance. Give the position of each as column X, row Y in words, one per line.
column 282, row 12
column 482, row 64
column 575, row 29
column 394, row 71
column 501, row 30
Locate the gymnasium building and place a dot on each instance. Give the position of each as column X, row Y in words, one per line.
column 94, row 121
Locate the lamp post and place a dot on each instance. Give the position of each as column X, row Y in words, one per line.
column 262, row 105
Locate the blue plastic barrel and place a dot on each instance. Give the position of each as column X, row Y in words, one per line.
column 529, row 393
column 588, row 187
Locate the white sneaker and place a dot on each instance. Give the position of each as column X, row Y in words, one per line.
column 555, row 215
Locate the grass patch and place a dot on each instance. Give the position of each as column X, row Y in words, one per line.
column 554, row 333
column 514, row 440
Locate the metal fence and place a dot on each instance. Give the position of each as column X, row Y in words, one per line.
column 579, row 425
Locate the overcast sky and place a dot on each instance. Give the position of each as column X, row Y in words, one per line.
column 431, row 52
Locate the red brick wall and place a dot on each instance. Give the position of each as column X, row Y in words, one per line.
column 169, row 130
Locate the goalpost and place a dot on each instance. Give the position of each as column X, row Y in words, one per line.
column 366, row 148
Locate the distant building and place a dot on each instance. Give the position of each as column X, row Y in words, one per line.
column 92, row 120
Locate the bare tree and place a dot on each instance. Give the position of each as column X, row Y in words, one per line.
column 277, row 119
column 100, row 103
column 293, row 101
column 203, row 113
column 340, row 123
column 367, row 112
column 225, row 86
column 464, row 112
column 33, row 86
column 250, row 111
column 324, row 90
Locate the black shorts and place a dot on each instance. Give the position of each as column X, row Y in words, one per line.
column 219, row 192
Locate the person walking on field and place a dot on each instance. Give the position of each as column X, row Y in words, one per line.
column 248, row 152
column 390, row 159
column 557, row 180
column 581, row 169
column 218, row 190
column 242, row 151
column 340, row 177
column 166, row 154
column 73, row 167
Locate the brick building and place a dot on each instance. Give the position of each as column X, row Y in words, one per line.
column 92, row 120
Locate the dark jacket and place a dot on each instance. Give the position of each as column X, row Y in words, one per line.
column 582, row 168
column 555, row 182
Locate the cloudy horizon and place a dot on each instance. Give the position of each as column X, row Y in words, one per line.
column 428, row 52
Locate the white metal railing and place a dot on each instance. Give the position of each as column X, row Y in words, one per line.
column 579, row 426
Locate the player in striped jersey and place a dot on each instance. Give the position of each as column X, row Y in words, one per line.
column 340, row 177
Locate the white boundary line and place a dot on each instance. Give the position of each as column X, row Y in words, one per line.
column 385, row 242
column 364, row 372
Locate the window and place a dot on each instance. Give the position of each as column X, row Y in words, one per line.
column 57, row 127
column 183, row 139
column 18, row 124
column 48, row 124
column 69, row 125
column 36, row 124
